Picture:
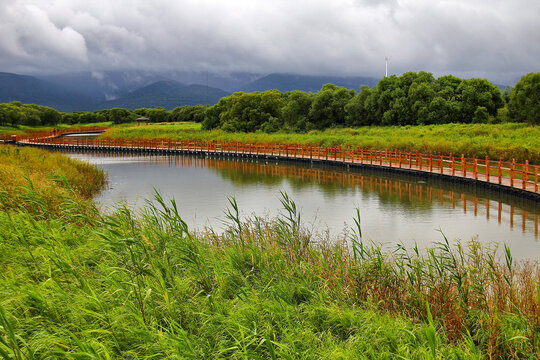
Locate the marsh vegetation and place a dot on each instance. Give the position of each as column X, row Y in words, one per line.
column 79, row 284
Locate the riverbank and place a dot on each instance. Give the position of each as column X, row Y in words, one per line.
column 76, row 283
column 42, row 183
column 506, row 141
column 7, row 131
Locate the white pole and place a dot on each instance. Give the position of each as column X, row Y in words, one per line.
column 386, row 59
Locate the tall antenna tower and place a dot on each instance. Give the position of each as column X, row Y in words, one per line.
column 386, row 60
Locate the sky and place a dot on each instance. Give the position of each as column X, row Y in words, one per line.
column 494, row 39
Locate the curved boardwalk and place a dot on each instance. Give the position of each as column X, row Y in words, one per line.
column 519, row 179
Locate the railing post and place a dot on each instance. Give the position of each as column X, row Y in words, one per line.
column 440, row 163
column 475, row 168
column 430, row 163
column 453, row 164
column 500, row 171
column 487, row 169
column 525, row 176
column 463, row 165
column 419, row 158
column 536, row 179
column 512, row 168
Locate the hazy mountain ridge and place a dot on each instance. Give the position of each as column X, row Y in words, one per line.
column 114, row 84
column 87, row 91
column 166, row 94
column 30, row 90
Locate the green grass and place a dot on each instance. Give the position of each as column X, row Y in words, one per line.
column 127, row 285
column 7, row 131
column 508, row 140
column 42, row 183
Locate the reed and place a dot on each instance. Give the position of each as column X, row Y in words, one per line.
column 45, row 183
column 141, row 285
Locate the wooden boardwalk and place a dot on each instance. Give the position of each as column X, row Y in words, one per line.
column 510, row 176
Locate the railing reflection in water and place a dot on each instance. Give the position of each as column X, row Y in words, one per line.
column 389, row 187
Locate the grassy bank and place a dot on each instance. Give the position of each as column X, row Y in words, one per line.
column 509, row 140
column 142, row 286
column 7, row 131
column 42, row 183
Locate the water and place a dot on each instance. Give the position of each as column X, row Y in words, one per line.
column 393, row 208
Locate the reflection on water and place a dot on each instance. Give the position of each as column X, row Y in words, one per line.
column 393, row 208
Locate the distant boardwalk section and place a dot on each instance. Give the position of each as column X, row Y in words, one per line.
column 520, row 179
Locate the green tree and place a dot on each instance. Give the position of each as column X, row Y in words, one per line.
column 50, row 116
column 195, row 113
column 295, row 111
column 524, row 102
column 328, row 108
column 356, row 111
column 87, row 117
column 70, row 118
column 479, row 92
column 248, row 112
column 118, row 115
column 157, row 115
column 443, row 111
column 142, row 112
column 481, row 115
column 212, row 115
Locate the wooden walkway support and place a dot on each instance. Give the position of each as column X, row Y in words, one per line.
column 499, row 173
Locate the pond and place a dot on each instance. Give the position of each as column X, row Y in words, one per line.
column 393, row 208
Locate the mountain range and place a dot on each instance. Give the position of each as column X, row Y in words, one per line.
column 166, row 94
column 30, row 90
column 87, row 91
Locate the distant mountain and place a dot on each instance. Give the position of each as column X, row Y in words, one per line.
column 108, row 84
column 113, row 83
column 87, row 91
column 166, row 94
column 30, row 90
column 290, row 82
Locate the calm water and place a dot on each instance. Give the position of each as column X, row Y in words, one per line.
column 393, row 208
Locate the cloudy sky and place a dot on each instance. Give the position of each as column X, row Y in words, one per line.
column 497, row 39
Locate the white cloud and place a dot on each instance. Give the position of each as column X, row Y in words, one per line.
column 499, row 39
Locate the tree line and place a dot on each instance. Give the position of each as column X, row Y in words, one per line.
column 15, row 113
column 409, row 99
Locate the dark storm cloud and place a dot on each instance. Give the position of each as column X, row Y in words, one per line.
column 495, row 39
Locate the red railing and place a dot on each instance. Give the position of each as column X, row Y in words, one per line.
column 39, row 135
column 508, row 173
